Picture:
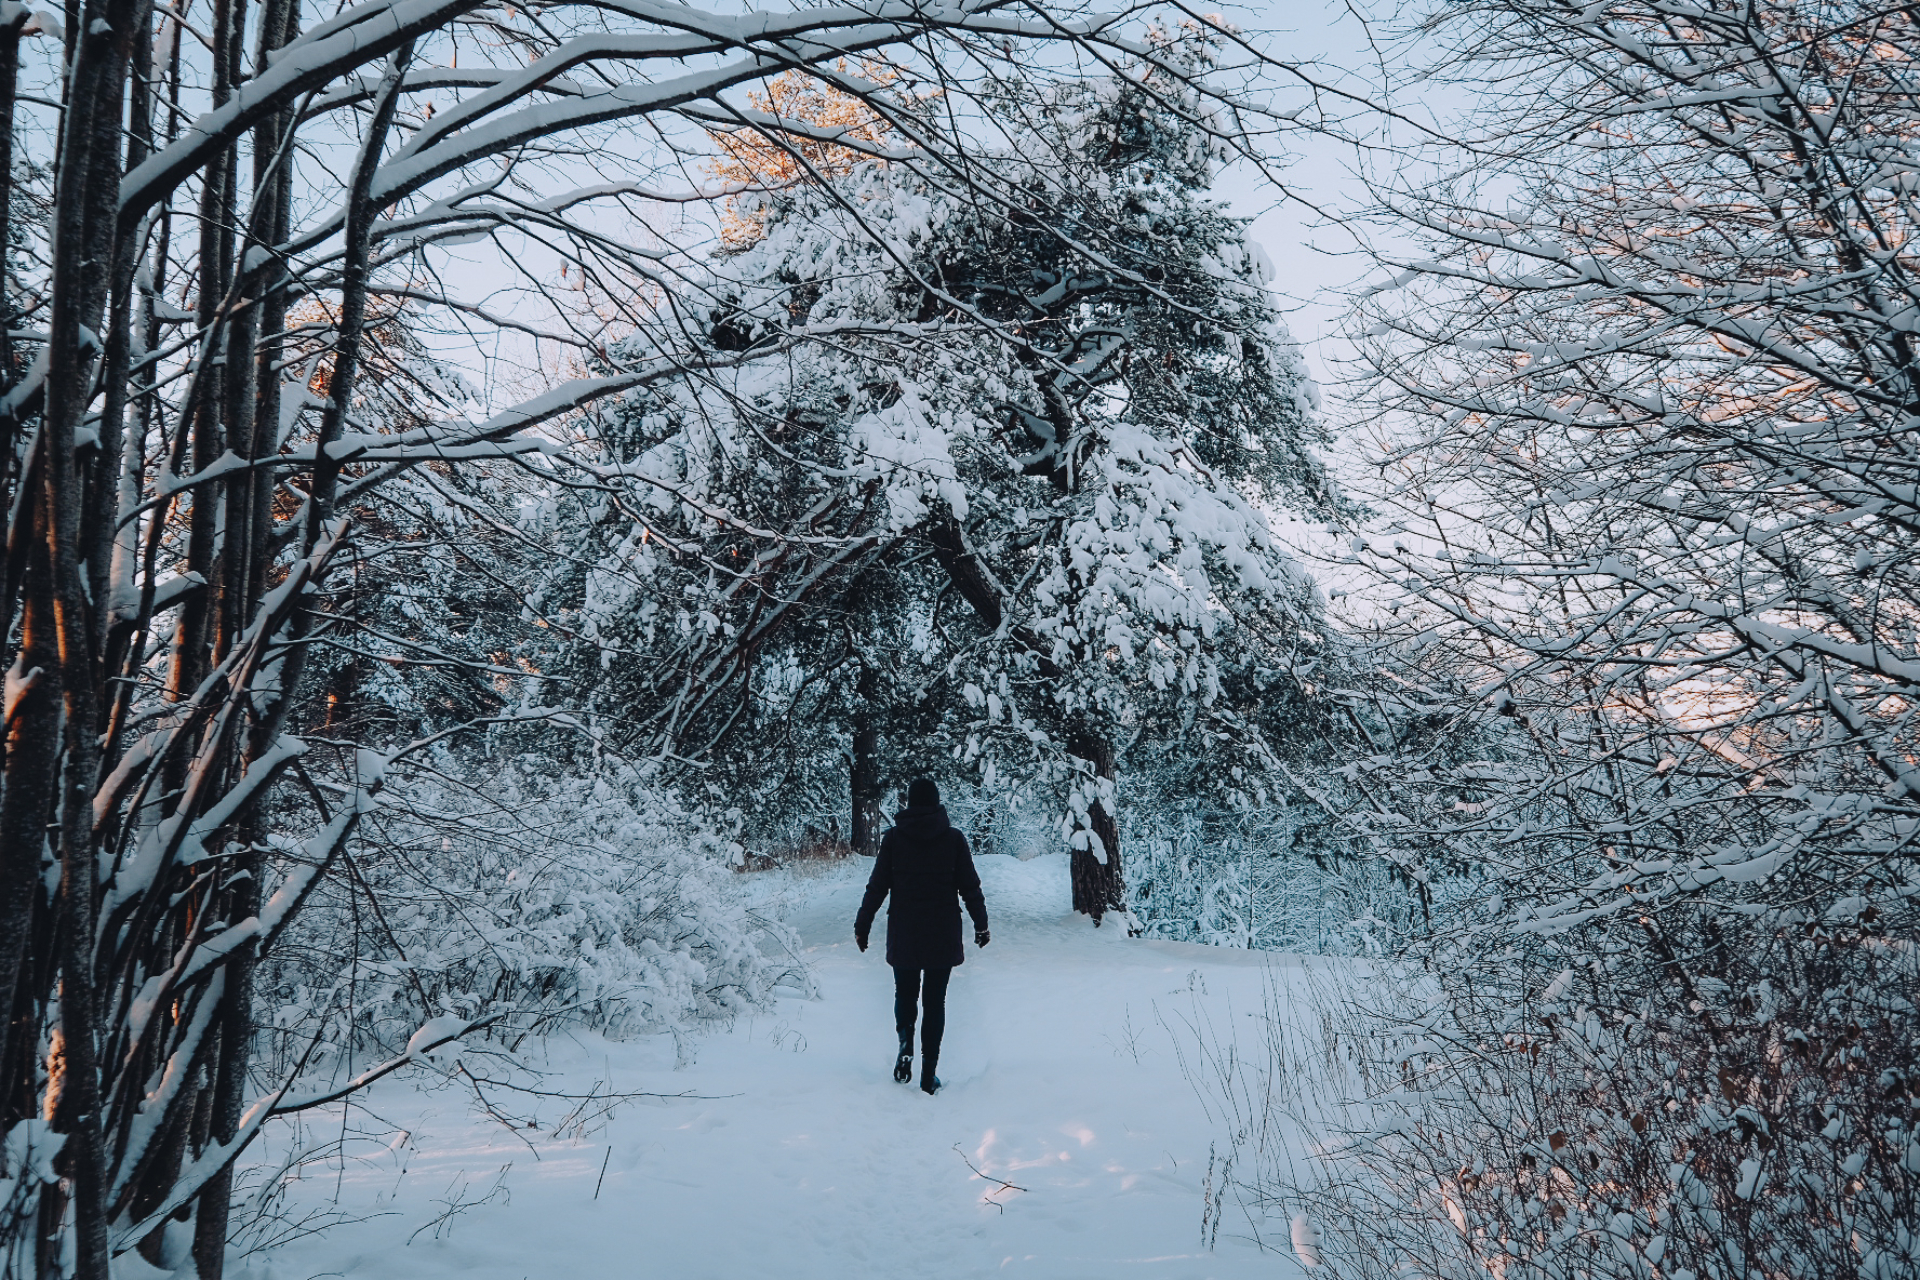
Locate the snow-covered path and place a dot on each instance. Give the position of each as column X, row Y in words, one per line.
column 803, row 1159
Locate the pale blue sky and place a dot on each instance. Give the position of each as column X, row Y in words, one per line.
column 1314, row 262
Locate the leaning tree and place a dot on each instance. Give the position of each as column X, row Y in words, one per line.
column 1035, row 448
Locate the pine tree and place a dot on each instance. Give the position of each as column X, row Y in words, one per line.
column 992, row 481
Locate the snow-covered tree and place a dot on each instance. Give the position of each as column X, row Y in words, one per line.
column 1056, row 429
column 1652, row 464
column 1164, row 417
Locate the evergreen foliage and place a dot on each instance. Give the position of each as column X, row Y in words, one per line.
column 1025, row 457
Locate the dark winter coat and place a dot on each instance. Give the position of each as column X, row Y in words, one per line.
column 925, row 865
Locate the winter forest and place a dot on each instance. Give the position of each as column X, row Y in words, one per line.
column 1393, row 526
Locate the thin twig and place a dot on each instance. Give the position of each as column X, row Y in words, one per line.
column 1002, row 1184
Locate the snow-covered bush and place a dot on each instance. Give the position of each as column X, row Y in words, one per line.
column 1320, row 846
column 1621, row 1119
column 1646, row 393
column 1260, row 879
column 502, row 888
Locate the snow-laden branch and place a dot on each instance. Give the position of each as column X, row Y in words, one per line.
column 361, row 35
column 436, row 1033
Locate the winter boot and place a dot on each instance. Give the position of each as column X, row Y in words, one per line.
column 903, row 1065
column 929, row 1082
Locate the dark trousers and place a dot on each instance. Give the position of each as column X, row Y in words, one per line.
column 908, row 991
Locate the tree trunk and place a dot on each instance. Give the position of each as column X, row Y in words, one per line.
column 255, row 414
column 9, row 80
column 1097, row 884
column 865, row 832
column 32, row 747
column 194, row 636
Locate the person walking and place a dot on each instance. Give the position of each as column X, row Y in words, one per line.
column 925, row 864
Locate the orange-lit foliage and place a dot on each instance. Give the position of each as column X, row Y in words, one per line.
column 390, row 392
column 769, row 159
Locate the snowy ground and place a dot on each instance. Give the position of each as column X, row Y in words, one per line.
column 801, row 1158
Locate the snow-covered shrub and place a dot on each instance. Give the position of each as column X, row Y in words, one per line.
column 553, row 900
column 1653, row 512
column 1482, row 1117
column 1662, row 1021
column 1260, row 880
column 1317, row 848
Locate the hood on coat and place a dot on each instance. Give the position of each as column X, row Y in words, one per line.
column 923, row 815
